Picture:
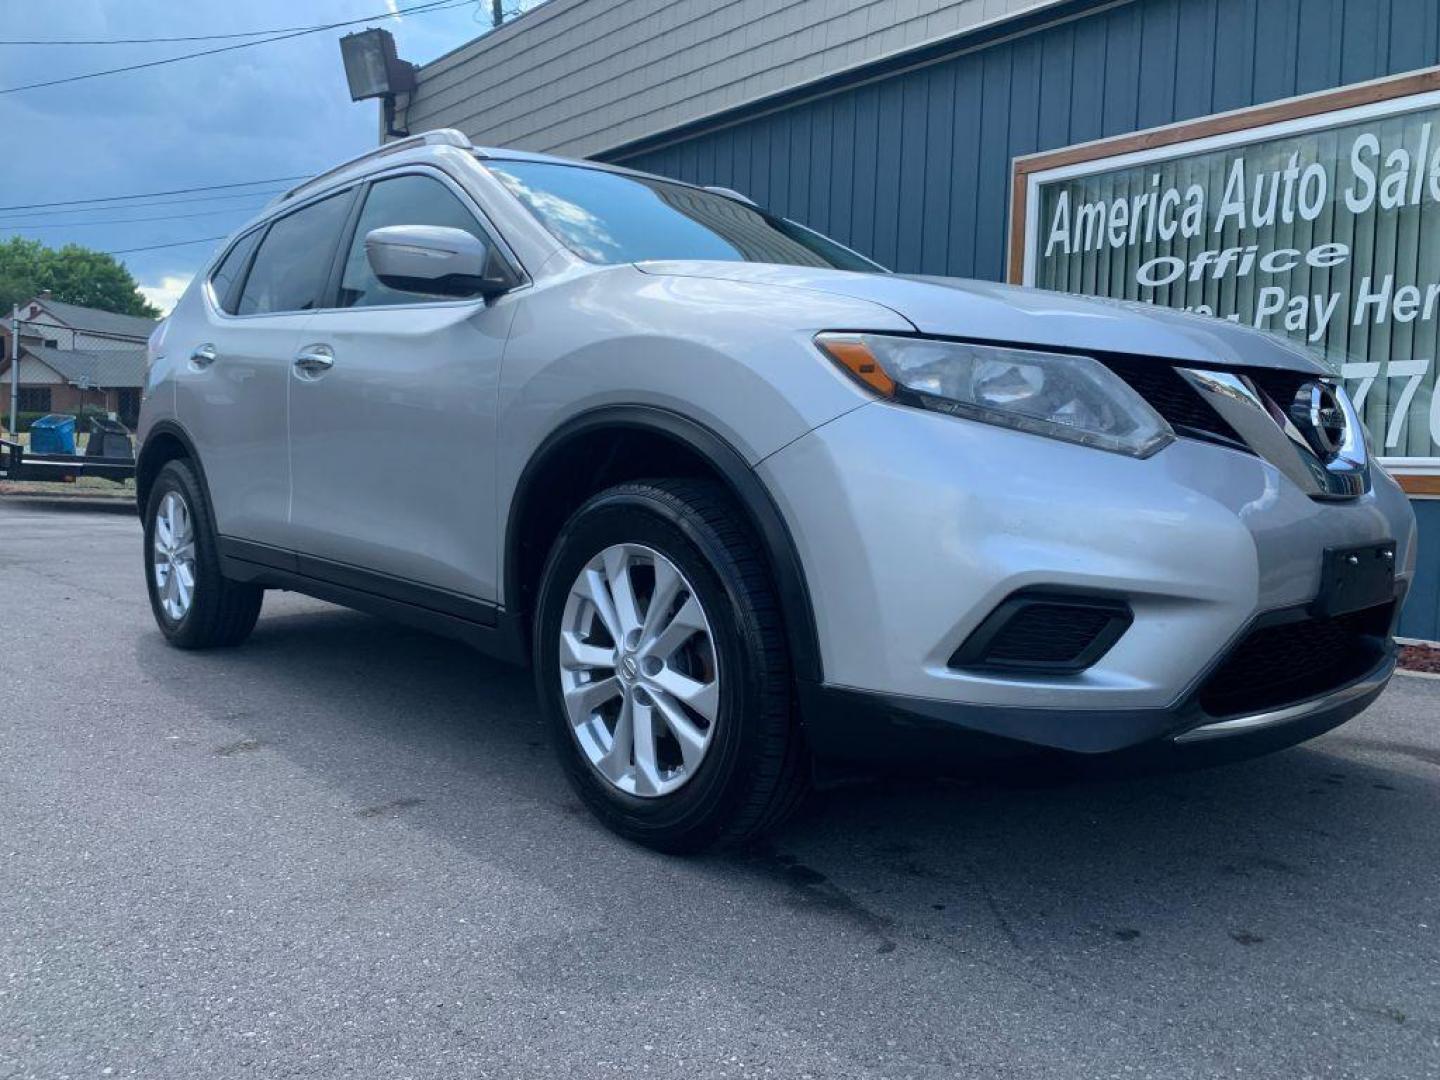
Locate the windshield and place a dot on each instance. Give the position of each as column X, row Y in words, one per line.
column 607, row 217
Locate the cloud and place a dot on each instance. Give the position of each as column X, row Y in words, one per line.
column 271, row 111
column 166, row 294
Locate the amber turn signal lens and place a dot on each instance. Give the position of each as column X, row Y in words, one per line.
column 851, row 353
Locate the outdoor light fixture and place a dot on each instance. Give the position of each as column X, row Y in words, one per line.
column 373, row 70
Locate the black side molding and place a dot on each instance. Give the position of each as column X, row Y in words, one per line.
column 476, row 622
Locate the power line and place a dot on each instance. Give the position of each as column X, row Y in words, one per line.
column 432, row 5
column 12, row 225
column 314, row 28
column 157, row 194
column 265, row 193
column 177, row 243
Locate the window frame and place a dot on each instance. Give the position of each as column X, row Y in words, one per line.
column 263, row 227
column 45, row 388
column 357, row 190
column 467, row 201
column 217, row 302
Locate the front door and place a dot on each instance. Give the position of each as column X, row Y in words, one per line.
column 392, row 419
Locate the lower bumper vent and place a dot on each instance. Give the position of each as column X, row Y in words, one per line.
column 1284, row 663
column 1044, row 633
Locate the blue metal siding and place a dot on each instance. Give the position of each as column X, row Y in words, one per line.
column 913, row 168
column 1421, row 617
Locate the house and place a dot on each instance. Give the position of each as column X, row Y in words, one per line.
column 74, row 358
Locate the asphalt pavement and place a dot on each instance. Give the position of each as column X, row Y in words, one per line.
column 344, row 850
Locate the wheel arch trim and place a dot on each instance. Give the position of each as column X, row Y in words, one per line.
column 172, row 429
column 782, row 555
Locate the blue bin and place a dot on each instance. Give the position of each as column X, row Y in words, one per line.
column 53, row 434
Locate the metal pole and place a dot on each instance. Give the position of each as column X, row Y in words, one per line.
column 15, row 372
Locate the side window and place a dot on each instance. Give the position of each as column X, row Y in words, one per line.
column 226, row 279
column 401, row 200
column 293, row 263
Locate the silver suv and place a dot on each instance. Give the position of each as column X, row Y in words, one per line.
column 753, row 508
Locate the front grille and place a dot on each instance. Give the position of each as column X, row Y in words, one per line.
column 1172, row 397
column 1293, row 661
column 1280, row 386
column 1184, row 409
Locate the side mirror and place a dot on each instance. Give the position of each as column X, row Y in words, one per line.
column 437, row 261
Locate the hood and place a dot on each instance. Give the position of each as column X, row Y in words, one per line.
column 983, row 310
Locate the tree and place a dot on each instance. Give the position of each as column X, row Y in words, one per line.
column 73, row 274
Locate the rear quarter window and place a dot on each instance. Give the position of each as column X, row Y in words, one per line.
column 225, row 281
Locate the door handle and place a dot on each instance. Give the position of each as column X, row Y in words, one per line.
column 314, row 360
column 203, row 356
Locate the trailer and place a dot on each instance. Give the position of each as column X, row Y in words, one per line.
column 16, row 463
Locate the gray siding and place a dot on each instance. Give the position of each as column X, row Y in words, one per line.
column 580, row 77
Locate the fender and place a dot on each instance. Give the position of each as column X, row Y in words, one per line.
column 781, row 553
column 142, row 459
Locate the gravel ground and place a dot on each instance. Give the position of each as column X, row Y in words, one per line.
column 343, row 850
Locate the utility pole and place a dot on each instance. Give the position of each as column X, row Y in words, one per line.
column 497, row 12
column 15, row 372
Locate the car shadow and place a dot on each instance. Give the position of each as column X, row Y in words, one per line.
column 1070, row 878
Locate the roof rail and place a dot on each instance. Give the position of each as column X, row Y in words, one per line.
column 438, row 137
column 731, row 193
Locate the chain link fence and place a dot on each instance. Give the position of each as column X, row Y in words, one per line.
column 69, row 372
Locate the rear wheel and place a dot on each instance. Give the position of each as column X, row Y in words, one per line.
column 194, row 605
column 662, row 668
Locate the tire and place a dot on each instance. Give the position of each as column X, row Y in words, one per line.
column 753, row 771
column 219, row 612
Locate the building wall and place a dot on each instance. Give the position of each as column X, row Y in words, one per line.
column 33, row 373
column 578, row 77
column 41, row 326
column 1422, row 610
column 913, row 169
column 44, row 327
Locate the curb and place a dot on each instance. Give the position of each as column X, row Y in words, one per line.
column 1417, row 674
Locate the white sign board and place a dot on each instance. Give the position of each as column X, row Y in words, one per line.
column 1324, row 227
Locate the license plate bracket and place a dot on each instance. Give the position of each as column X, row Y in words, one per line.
column 1354, row 578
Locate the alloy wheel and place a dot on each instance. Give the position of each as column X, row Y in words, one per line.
column 173, row 556
column 638, row 670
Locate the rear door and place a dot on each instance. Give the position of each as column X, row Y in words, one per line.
column 392, row 433
column 232, row 392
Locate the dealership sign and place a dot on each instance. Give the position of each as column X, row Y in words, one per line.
column 1317, row 218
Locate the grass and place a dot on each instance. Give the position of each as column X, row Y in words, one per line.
column 86, row 486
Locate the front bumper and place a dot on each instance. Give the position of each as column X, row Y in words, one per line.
column 877, row 732
column 913, row 527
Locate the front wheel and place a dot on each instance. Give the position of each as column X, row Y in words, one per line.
column 195, row 606
column 662, row 668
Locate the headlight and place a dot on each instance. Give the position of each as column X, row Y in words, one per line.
column 1075, row 398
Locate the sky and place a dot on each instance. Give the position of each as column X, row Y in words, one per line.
column 274, row 110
